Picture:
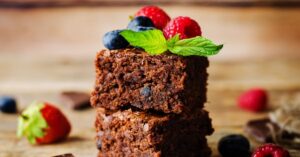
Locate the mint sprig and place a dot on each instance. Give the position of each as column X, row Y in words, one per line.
column 154, row 42
column 197, row 46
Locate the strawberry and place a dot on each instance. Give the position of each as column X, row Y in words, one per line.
column 184, row 26
column 43, row 123
column 159, row 17
column 253, row 100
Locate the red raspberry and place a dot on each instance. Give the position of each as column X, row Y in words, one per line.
column 184, row 26
column 270, row 150
column 254, row 100
column 156, row 14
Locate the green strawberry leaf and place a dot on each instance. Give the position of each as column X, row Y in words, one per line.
column 197, row 46
column 31, row 123
column 152, row 41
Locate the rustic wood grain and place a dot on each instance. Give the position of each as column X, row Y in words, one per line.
column 64, row 3
column 45, row 51
column 46, row 78
column 247, row 33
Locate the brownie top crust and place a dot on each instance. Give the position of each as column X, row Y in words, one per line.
column 166, row 83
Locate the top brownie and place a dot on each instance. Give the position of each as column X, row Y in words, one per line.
column 165, row 83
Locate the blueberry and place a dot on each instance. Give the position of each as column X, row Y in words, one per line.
column 234, row 146
column 141, row 28
column 113, row 40
column 146, row 91
column 8, row 104
column 140, row 21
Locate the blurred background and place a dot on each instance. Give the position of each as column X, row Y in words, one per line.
column 48, row 46
column 40, row 39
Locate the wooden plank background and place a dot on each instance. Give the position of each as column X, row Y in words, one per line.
column 51, row 3
column 44, row 80
column 44, row 51
column 247, row 33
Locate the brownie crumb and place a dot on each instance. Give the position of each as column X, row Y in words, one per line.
column 168, row 83
column 136, row 133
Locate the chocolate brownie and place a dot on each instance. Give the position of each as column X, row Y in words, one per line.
column 132, row 78
column 137, row 133
column 205, row 152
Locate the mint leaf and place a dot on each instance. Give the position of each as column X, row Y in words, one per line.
column 197, row 46
column 171, row 42
column 32, row 123
column 152, row 41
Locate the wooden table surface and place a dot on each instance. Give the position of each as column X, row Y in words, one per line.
column 45, row 51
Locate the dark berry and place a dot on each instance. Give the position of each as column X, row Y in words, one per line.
column 113, row 40
column 141, row 28
column 146, row 91
column 140, row 21
column 234, row 146
column 8, row 104
column 270, row 150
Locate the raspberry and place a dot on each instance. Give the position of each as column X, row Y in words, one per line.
column 156, row 14
column 270, row 150
column 254, row 100
column 184, row 26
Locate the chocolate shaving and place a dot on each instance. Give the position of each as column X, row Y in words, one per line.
column 287, row 117
column 64, row 155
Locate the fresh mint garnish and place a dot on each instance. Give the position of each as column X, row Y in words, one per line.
column 154, row 42
column 171, row 42
column 197, row 46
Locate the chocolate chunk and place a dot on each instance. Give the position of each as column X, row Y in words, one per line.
column 75, row 100
column 64, row 155
column 99, row 144
column 263, row 131
column 165, row 83
column 260, row 131
column 146, row 91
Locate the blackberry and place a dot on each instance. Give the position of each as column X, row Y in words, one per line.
column 234, row 146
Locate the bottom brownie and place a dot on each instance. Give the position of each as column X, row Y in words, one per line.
column 138, row 134
column 206, row 152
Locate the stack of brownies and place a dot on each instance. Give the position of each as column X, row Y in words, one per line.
column 150, row 106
